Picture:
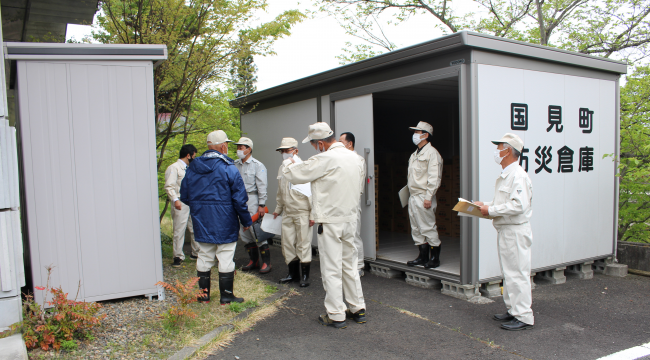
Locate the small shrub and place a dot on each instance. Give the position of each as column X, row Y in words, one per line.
column 270, row 289
column 68, row 345
column 65, row 321
column 187, row 293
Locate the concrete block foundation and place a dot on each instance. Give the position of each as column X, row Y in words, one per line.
column 422, row 281
column 618, row 270
column 555, row 277
column 385, row 272
column 463, row 292
column 583, row 271
column 491, row 289
column 13, row 348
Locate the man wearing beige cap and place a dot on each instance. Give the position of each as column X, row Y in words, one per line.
column 255, row 178
column 424, row 177
column 295, row 207
column 215, row 192
column 335, row 175
column 512, row 210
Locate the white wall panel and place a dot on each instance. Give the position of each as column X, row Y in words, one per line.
column 97, row 188
column 572, row 210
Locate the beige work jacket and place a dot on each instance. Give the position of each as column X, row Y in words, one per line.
column 513, row 197
column 335, row 177
column 173, row 177
column 425, row 172
column 364, row 175
column 292, row 202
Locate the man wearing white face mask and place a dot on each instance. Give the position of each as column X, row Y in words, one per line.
column 512, row 210
column 254, row 174
column 424, row 177
column 295, row 207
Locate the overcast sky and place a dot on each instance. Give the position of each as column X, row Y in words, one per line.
column 314, row 43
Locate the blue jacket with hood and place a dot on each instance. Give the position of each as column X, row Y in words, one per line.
column 216, row 195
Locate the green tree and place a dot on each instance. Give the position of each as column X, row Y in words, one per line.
column 619, row 28
column 243, row 75
column 634, row 165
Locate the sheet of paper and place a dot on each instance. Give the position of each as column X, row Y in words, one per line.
column 404, row 196
column 273, row 226
column 304, row 189
column 467, row 208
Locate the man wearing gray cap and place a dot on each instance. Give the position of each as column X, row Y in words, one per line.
column 255, row 178
column 512, row 210
column 335, row 175
column 424, row 177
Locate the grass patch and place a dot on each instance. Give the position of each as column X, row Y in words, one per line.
column 155, row 338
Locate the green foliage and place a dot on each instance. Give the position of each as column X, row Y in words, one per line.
column 634, row 166
column 59, row 326
column 239, row 307
column 271, row 289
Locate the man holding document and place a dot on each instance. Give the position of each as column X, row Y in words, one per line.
column 294, row 203
column 511, row 210
column 424, row 177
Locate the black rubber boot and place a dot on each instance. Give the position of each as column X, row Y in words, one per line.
column 304, row 279
column 204, row 284
column 226, row 281
column 422, row 258
column 254, row 262
column 435, row 258
column 265, row 252
column 294, row 274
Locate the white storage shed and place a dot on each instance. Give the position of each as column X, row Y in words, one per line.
column 472, row 88
column 87, row 142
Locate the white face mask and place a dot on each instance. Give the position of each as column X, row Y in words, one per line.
column 417, row 138
column 498, row 159
column 286, row 156
column 240, row 154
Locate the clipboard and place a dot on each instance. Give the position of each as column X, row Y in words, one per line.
column 404, row 196
column 468, row 208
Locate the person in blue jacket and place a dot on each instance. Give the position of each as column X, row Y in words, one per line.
column 216, row 195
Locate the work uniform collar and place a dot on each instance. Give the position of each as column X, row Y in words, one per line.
column 247, row 161
column 182, row 163
column 335, row 145
column 423, row 149
column 510, row 168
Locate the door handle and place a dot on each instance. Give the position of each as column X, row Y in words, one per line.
column 366, row 153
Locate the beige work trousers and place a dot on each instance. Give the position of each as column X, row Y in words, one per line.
column 423, row 221
column 358, row 242
column 338, row 258
column 224, row 254
column 296, row 238
column 514, row 242
column 181, row 220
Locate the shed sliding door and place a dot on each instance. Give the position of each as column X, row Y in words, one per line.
column 89, row 154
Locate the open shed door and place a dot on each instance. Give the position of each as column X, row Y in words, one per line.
column 355, row 115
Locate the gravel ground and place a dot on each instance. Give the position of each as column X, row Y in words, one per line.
column 133, row 327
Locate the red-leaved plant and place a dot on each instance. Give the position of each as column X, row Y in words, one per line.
column 187, row 293
column 66, row 320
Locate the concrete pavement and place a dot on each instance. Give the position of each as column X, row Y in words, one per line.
column 582, row 319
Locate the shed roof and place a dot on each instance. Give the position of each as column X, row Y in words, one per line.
column 67, row 51
column 453, row 42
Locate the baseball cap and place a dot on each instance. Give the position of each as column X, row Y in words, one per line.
column 245, row 141
column 318, row 131
column 287, row 143
column 423, row 126
column 217, row 137
column 512, row 140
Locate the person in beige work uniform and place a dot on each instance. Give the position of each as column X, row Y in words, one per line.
column 512, row 210
column 295, row 208
column 424, row 177
column 255, row 178
column 181, row 219
column 348, row 140
column 335, row 175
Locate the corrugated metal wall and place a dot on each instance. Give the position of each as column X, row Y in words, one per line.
column 88, row 147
